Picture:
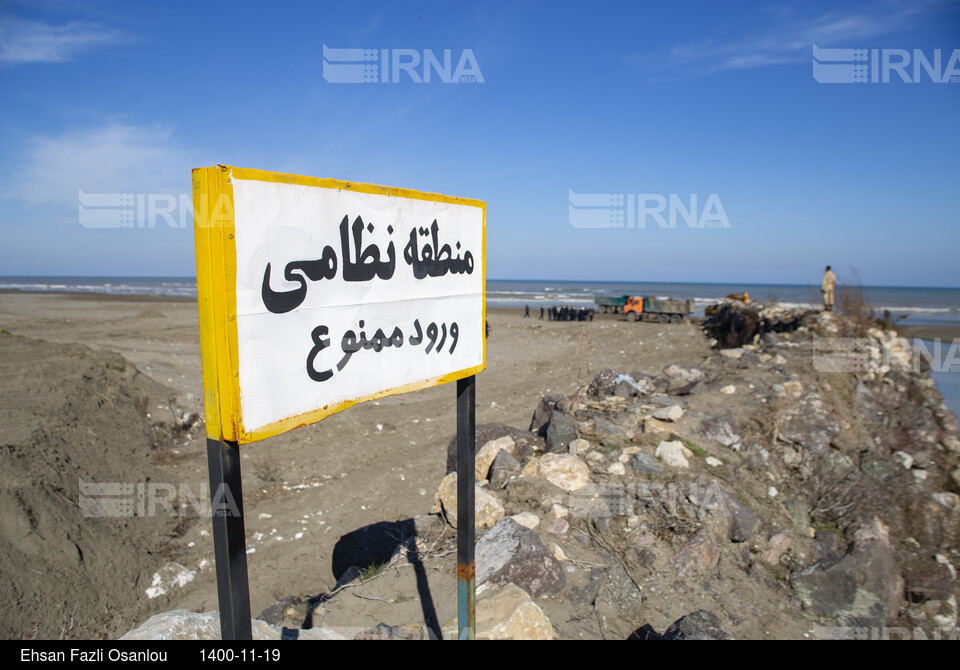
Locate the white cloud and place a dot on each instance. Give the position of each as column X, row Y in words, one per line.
column 789, row 40
column 25, row 41
column 115, row 158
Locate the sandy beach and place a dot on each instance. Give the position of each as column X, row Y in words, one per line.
column 378, row 461
column 98, row 389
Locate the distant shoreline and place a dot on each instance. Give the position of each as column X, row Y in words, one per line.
column 103, row 297
column 943, row 332
column 926, row 332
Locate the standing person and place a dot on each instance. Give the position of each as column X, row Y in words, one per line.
column 526, row 311
column 827, row 287
column 541, row 312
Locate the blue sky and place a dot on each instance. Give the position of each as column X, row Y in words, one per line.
column 682, row 98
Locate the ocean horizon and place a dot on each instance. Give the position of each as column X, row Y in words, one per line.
column 908, row 305
column 926, row 306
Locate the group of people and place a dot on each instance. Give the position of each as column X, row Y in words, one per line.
column 562, row 313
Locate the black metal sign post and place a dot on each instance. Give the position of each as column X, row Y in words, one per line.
column 466, row 453
column 229, row 541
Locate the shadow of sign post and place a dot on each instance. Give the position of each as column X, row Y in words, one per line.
column 315, row 295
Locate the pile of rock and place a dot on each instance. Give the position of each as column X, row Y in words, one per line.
column 789, row 497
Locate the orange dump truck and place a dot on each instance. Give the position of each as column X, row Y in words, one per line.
column 651, row 309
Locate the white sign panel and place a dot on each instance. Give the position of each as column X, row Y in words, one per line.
column 346, row 292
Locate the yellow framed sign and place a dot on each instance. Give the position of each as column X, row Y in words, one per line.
column 317, row 294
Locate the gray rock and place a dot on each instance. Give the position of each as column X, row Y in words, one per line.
column 511, row 553
column 626, row 387
column 721, row 429
column 863, row 588
column 828, row 546
column 926, row 579
column 750, row 360
column 275, row 614
column 603, row 383
column 619, row 591
column 769, row 339
column 866, row 402
column 586, row 595
column 383, row 631
column 808, row 424
column 504, row 467
column 541, row 415
column 684, row 375
column 701, row 625
column 743, row 522
column 645, row 464
column 683, row 389
column 699, row 554
column 609, row 433
column 713, row 498
column 486, row 432
column 186, row 625
column 669, row 413
column 799, row 512
column 605, row 428
column 656, row 384
column 561, row 432
column 879, row 468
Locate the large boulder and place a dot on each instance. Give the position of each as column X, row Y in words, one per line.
column 186, row 625
column 541, row 415
column 506, row 613
column 808, row 424
column 503, row 468
column 701, row 625
column 863, row 588
column 511, row 553
column 486, row 454
column 564, row 471
column 486, row 432
column 561, row 431
column 714, row 499
column 488, row 509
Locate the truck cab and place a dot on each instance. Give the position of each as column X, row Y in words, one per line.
column 633, row 308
